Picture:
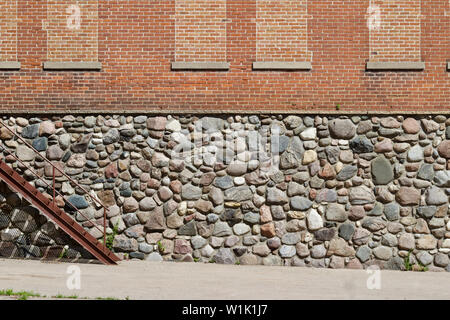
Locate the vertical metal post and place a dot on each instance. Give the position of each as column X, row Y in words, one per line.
column 104, row 228
column 54, row 193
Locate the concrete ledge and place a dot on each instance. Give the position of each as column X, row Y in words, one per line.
column 274, row 65
column 395, row 66
column 448, row 66
column 10, row 65
column 51, row 65
column 218, row 66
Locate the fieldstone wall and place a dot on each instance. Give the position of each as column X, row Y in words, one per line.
column 25, row 233
column 324, row 191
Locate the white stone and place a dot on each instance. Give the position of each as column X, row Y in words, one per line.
column 207, row 251
column 315, row 221
column 173, row 125
column 309, row 134
column 240, row 229
column 239, row 181
column 446, row 243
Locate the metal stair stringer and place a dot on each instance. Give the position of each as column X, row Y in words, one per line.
column 14, row 180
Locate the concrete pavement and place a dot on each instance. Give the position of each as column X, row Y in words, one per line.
column 170, row 280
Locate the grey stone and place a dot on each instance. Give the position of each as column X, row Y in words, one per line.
column 78, row 202
column 441, row 259
column 382, row 252
column 198, row 242
column 435, row 196
column 290, row 238
column 426, row 212
column 145, row 247
column 190, row 192
column 318, row 251
column 426, row 172
column 415, row 154
column 361, row 195
column 377, row 210
column 326, row 195
column 361, row 236
column 424, row 258
column 392, row 211
column 442, row 178
column 276, row 196
column 300, row 203
column 373, row 224
column 361, row 144
column 31, row 131
column 224, row 256
column 325, row 234
column 241, row 229
column 382, row 172
column 251, row 217
column 363, row 253
column 216, row 196
column 156, row 221
column 210, row 124
column 287, row 251
column 342, row 129
column 347, row 173
column 238, row 194
column 125, row 244
column 155, row 257
column 389, row 240
column 40, row 144
column 336, row 212
column 222, row 229
column 395, row 263
column 112, row 136
column 189, row 229
column 24, row 153
column 346, row 231
column 332, row 154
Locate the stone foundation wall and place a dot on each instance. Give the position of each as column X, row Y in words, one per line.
column 25, row 233
column 324, row 191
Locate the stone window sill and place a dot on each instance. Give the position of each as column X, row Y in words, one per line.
column 281, row 66
column 72, row 66
column 395, row 66
column 10, row 65
column 448, row 66
column 200, row 66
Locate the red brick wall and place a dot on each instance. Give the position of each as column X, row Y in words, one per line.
column 8, row 30
column 137, row 41
column 72, row 30
column 200, row 30
column 396, row 37
column 282, row 30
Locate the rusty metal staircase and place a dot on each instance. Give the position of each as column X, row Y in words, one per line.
column 48, row 207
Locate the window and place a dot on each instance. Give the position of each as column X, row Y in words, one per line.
column 282, row 35
column 395, row 35
column 200, row 35
column 72, row 35
column 8, row 35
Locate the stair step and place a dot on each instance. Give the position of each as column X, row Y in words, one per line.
column 61, row 218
